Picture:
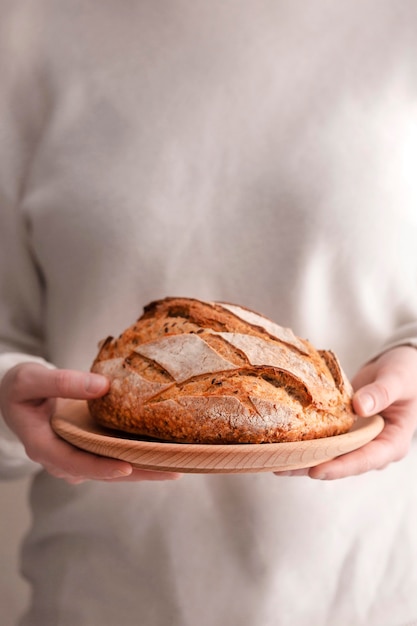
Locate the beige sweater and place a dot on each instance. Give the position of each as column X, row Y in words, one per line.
column 261, row 153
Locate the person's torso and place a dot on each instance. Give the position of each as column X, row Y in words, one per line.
column 260, row 153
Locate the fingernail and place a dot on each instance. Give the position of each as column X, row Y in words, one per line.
column 121, row 473
column 367, row 402
column 320, row 476
column 94, row 384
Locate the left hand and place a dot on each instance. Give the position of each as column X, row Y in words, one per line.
column 29, row 396
column 388, row 386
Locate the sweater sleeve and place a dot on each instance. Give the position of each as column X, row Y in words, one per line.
column 403, row 335
column 21, row 320
column 21, row 315
column 23, row 113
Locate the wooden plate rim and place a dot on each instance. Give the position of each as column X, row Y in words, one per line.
column 75, row 425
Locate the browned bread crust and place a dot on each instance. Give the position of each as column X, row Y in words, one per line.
column 191, row 371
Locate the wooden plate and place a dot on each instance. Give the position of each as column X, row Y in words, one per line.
column 75, row 425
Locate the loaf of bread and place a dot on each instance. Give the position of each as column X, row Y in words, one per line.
column 200, row 372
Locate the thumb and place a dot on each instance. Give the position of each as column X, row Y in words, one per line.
column 378, row 395
column 35, row 382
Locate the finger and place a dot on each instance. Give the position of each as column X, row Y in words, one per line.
column 73, row 465
column 111, row 475
column 60, row 458
column 37, row 382
column 378, row 395
column 135, row 476
column 152, row 475
column 63, row 460
column 391, row 445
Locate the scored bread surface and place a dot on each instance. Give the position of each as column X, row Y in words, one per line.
column 198, row 372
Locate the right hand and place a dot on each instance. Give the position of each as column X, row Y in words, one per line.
column 29, row 395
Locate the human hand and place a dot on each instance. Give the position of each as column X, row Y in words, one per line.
column 29, row 395
column 386, row 386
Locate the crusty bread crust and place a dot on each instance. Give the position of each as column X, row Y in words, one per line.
column 199, row 372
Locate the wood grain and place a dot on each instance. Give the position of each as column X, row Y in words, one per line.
column 75, row 425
